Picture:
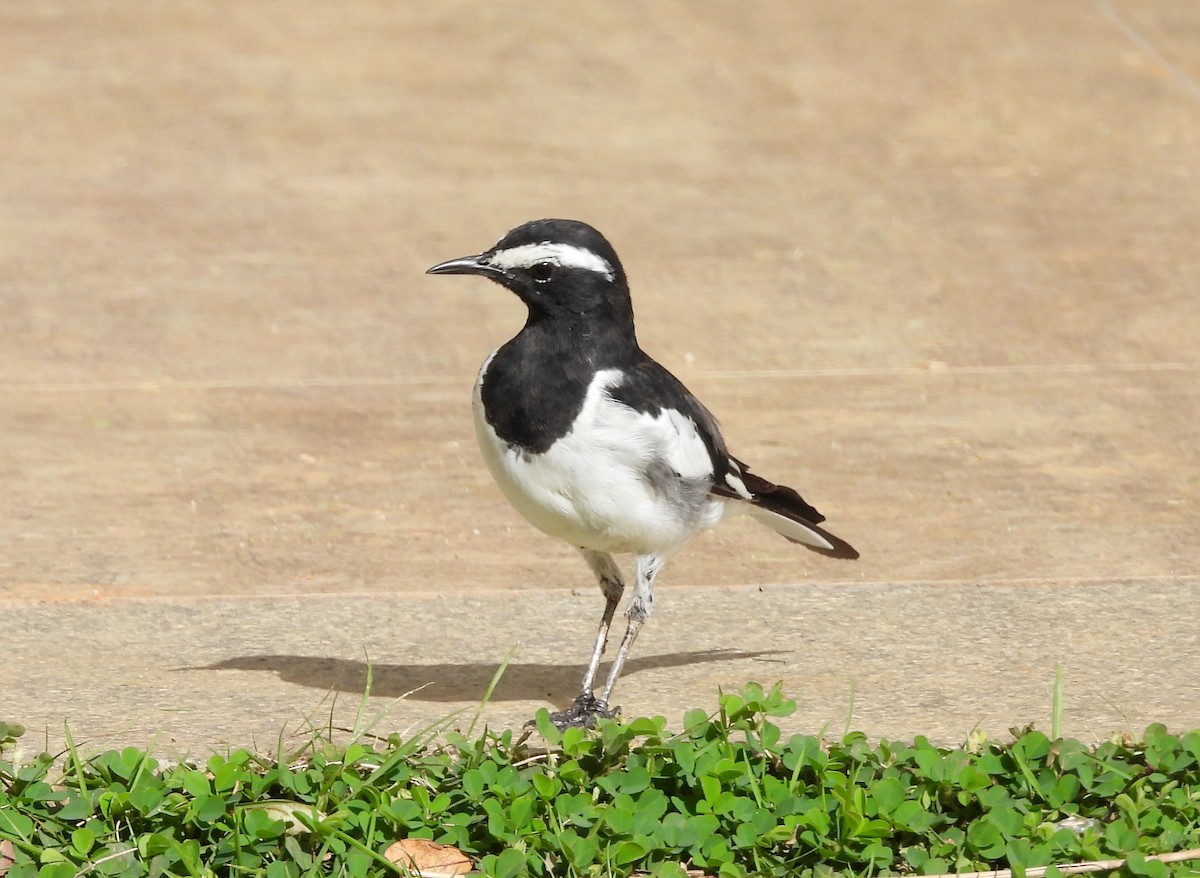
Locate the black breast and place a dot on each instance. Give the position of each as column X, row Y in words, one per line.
column 533, row 390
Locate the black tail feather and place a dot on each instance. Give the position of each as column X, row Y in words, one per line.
column 785, row 502
column 780, row 499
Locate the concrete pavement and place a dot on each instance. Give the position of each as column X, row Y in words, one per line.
column 894, row 660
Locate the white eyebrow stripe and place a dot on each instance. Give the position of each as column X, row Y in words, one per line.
column 565, row 255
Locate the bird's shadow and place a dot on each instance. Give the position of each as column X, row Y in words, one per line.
column 521, row 681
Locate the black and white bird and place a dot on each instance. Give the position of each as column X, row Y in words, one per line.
column 597, row 444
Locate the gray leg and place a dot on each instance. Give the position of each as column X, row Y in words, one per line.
column 639, row 611
column 586, row 708
column 609, row 577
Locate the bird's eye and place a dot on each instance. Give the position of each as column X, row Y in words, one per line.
column 542, row 272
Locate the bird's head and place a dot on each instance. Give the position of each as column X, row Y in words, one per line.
column 558, row 268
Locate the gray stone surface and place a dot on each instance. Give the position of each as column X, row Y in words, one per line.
column 894, row 660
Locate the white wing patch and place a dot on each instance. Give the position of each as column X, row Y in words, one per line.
column 564, row 255
column 680, row 443
column 642, row 440
column 733, row 479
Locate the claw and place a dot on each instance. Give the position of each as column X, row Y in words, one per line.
column 583, row 713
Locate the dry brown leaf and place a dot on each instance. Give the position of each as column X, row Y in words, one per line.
column 428, row 858
column 6, row 856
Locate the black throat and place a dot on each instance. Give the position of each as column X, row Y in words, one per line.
column 535, row 385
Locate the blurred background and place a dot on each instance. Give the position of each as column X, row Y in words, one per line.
column 933, row 263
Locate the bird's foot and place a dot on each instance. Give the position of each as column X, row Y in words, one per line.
column 583, row 713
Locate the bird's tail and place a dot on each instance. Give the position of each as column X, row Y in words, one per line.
column 806, row 533
column 784, row 511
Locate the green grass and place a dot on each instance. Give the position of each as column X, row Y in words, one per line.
column 727, row 794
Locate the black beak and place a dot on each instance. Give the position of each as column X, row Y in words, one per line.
column 467, row 265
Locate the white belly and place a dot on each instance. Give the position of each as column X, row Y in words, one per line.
column 591, row 487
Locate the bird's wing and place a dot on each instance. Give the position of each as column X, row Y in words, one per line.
column 698, row 450
column 650, row 388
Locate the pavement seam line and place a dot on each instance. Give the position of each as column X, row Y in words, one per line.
column 932, row 369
